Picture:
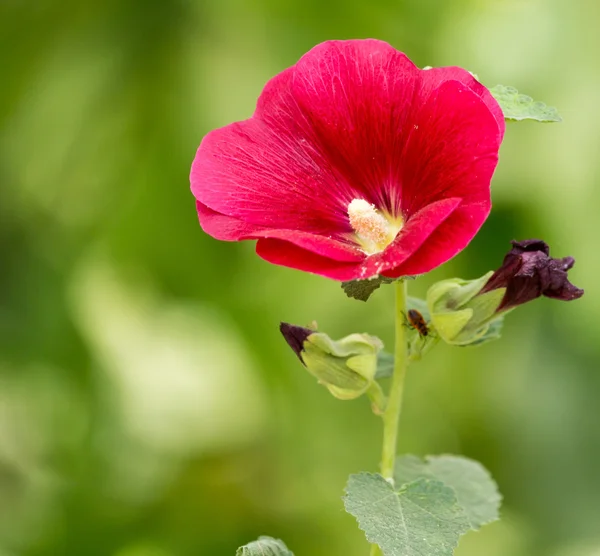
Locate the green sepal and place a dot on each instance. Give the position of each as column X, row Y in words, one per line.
column 385, row 365
column 463, row 316
column 518, row 107
column 377, row 397
column 454, row 293
column 419, row 345
column 346, row 367
column 493, row 332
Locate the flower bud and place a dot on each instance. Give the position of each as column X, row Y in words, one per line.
column 346, row 367
column 461, row 316
column 469, row 312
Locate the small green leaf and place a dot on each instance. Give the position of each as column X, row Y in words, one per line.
column 476, row 491
column 264, row 546
column 522, row 107
column 420, row 518
column 362, row 289
column 385, row 365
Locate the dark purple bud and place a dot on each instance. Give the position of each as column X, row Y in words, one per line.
column 295, row 336
column 528, row 272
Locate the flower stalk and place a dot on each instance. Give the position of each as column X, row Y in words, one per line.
column 391, row 416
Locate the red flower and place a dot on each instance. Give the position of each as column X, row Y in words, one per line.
column 355, row 163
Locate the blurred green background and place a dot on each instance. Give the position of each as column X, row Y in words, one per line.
column 148, row 405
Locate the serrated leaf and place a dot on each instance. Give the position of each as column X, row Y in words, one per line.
column 420, row 518
column 476, row 491
column 518, row 107
column 264, row 546
column 385, row 365
column 362, row 289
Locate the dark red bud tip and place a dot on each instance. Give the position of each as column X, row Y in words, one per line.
column 295, row 337
column 528, row 272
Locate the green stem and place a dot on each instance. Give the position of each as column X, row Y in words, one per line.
column 391, row 417
column 394, row 405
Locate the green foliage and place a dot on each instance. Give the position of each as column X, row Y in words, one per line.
column 421, row 517
column 522, row 107
column 434, row 502
column 362, row 289
column 476, row 491
column 264, row 546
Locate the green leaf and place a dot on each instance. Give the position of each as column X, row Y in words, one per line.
column 476, row 491
column 420, row 518
column 264, row 546
column 522, row 107
column 362, row 289
column 385, row 365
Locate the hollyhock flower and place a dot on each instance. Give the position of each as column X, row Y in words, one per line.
column 528, row 272
column 465, row 312
column 356, row 163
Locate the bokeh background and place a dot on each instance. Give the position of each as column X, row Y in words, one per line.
column 148, row 405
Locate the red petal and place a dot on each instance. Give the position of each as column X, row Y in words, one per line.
column 434, row 77
column 452, row 150
column 417, row 230
column 227, row 228
column 358, row 96
column 446, row 241
column 413, row 235
column 267, row 170
column 286, row 254
column 403, row 136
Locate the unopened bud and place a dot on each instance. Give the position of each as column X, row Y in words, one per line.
column 345, row 367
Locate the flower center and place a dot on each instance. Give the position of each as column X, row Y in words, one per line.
column 374, row 231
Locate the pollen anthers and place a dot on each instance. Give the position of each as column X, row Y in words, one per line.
column 373, row 230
